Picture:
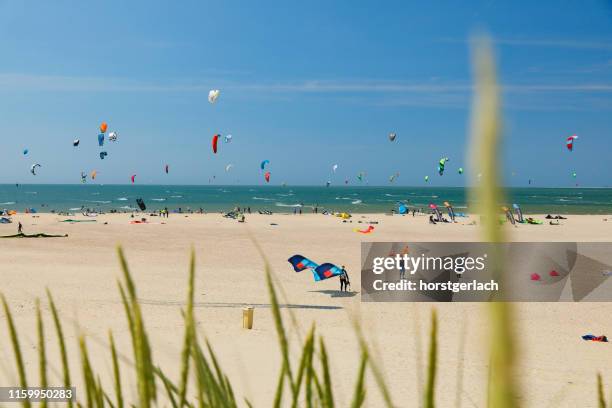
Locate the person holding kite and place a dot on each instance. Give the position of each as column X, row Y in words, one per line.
column 345, row 283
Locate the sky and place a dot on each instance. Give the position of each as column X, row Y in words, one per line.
column 303, row 84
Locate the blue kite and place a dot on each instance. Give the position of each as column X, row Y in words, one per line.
column 101, row 139
column 300, row 263
column 326, row 271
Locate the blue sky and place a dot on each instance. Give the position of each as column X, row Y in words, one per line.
column 303, row 84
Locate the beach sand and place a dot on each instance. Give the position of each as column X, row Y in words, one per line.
column 556, row 367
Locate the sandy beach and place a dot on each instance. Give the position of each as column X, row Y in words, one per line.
column 556, row 367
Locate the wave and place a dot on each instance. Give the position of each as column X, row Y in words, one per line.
column 122, row 199
column 31, row 192
column 392, row 195
column 95, row 193
column 263, row 199
column 8, row 203
column 357, row 202
column 288, row 205
column 75, row 209
column 158, row 199
column 343, row 198
column 126, row 207
column 176, row 196
column 97, row 201
column 285, row 195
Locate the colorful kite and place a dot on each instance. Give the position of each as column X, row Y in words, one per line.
column 300, row 263
column 215, row 140
column 569, row 142
column 267, row 176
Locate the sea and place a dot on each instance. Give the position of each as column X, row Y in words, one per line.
column 362, row 199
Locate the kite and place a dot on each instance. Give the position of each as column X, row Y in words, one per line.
column 365, row 231
column 569, row 142
column 300, row 263
column 392, row 136
column 334, row 168
column 76, row 142
column 83, row 177
column 112, row 136
column 267, row 176
column 228, row 138
column 101, row 139
column 228, row 167
column 25, row 151
column 591, row 337
column 441, row 165
column 103, row 155
column 133, row 178
column 103, row 127
column 263, row 164
column 327, row 183
column 326, row 271
column 427, row 179
column 93, row 175
column 402, row 208
column 33, row 168
column 141, row 204
column 215, row 139
column 393, row 177
column 574, row 174
column 213, row 95
column 167, row 169
column 460, row 171
column 360, row 176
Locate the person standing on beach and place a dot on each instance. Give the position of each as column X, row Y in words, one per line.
column 19, row 228
column 344, row 280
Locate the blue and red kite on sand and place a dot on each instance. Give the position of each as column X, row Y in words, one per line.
column 320, row 272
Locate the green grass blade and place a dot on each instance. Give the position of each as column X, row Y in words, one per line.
column 280, row 329
column 360, row 390
column 189, row 333
column 433, row 363
column 16, row 348
column 61, row 342
column 601, row 399
column 278, row 395
column 486, row 144
column 305, row 361
column 116, row 371
column 42, row 358
column 142, row 350
column 88, row 378
column 328, row 396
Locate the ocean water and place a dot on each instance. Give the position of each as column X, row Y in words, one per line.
column 45, row 198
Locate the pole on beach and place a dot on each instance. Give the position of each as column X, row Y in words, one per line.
column 247, row 317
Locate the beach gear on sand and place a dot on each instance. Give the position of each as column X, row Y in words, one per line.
column 365, row 231
column 590, row 337
column 70, row 220
column 5, row 220
column 534, row 221
column 535, row 277
column 39, row 235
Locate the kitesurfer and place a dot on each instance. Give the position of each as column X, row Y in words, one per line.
column 345, row 283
